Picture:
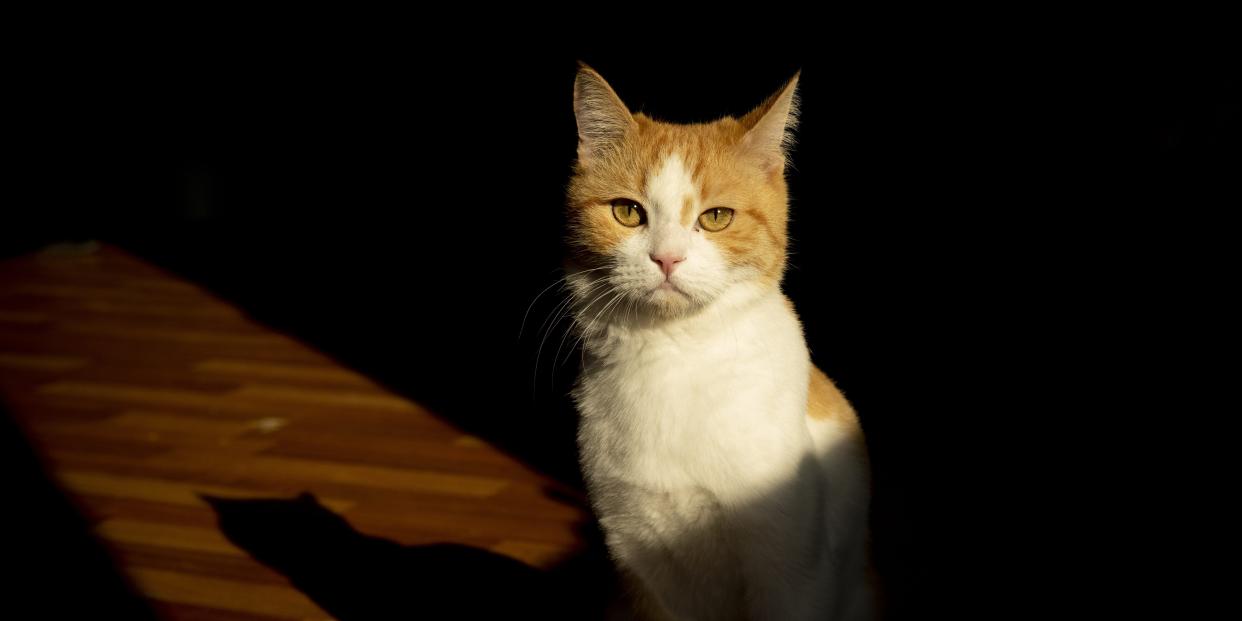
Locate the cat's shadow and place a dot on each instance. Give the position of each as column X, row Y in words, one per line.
column 354, row 576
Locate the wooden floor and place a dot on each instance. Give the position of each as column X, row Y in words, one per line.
column 143, row 391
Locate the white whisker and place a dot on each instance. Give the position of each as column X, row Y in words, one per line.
column 561, row 280
column 588, row 331
column 561, row 311
column 576, row 321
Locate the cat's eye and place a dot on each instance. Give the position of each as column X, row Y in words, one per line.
column 716, row 218
column 628, row 212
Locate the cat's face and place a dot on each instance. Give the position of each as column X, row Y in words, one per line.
column 667, row 218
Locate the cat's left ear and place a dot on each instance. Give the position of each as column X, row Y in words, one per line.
column 603, row 121
column 769, row 128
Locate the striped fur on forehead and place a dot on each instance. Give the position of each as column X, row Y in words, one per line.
column 723, row 171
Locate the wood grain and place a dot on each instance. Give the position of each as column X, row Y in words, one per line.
column 144, row 393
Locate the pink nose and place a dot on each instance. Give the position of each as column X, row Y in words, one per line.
column 667, row 262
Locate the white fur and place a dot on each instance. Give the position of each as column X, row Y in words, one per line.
column 715, row 491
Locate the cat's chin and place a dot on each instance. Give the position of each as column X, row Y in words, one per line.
column 667, row 300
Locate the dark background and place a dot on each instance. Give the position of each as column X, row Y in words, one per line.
column 982, row 223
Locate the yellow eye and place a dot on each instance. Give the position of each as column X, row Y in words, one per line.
column 628, row 212
column 716, row 218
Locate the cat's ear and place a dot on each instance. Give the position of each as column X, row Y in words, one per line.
column 769, row 128
column 603, row 121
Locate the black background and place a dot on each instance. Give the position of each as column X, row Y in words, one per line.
column 983, row 222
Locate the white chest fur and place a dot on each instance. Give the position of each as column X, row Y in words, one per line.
column 702, row 468
column 713, row 402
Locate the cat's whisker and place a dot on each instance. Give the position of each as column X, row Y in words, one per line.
column 590, row 289
column 613, row 306
column 586, row 333
column 576, row 321
column 561, row 281
column 554, row 316
column 525, row 315
column 577, row 313
column 557, row 313
column 564, row 309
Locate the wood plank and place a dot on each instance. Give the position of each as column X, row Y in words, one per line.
column 231, row 595
column 132, row 394
column 325, row 398
column 186, row 493
column 139, row 332
column 257, row 369
column 331, row 479
column 40, row 362
column 173, row 537
column 429, row 452
column 455, row 526
column 99, row 509
column 179, row 423
column 49, row 338
column 180, row 312
column 288, row 469
column 85, row 433
column 22, row 317
column 535, row 554
column 378, row 413
column 197, row 563
column 122, row 448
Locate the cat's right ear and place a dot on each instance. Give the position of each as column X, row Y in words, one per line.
column 603, row 120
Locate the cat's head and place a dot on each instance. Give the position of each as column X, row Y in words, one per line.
column 665, row 218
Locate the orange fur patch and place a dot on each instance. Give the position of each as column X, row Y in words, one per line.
column 825, row 401
column 726, row 175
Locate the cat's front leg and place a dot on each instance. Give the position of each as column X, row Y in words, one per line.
column 774, row 592
column 635, row 602
column 785, row 556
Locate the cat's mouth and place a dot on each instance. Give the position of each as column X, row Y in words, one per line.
column 668, row 287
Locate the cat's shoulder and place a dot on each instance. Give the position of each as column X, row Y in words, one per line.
column 826, row 402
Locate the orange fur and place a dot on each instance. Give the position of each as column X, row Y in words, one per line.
column 825, row 401
column 726, row 169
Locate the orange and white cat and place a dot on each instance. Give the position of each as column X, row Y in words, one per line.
column 729, row 475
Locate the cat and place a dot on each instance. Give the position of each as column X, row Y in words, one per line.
column 729, row 475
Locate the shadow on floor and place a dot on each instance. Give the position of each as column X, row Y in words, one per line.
column 50, row 550
column 356, row 577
